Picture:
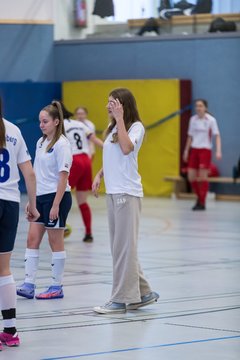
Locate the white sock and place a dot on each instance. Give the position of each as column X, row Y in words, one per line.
column 8, row 300
column 58, row 262
column 31, row 265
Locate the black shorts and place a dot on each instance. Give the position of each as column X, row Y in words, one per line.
column 9, row 215
column 44, row 205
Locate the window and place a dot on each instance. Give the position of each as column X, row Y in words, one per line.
column 136, row 9
column 133, row 9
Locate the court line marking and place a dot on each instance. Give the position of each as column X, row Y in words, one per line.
column 116, row 321
column 143, row 348
column 202, row 327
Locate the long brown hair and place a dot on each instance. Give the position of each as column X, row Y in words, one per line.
column 55, row 111
column 2, row 129
column 130, row 111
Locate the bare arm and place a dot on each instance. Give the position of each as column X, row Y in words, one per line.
column 62, row 183
column 187, row 148
column 100, row 173
column 30, row 181
column 97, row 182
column 123, row 138
column 93, row 138
column 218, row 147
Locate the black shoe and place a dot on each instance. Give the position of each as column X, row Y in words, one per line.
column 195, row 206
column 88, row 238
column 199, row 207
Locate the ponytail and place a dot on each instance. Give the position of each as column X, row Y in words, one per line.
column 2, row 129
column 58, row 105
column 55, row 111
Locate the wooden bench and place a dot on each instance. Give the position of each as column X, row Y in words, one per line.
column 180, row 187
column 199, row 19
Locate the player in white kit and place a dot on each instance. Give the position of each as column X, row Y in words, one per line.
column 52, row 165
column 80, row 177
column 198, row 150
column 13, row 155
column 81, row 114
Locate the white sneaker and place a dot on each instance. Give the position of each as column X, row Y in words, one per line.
column 111, row 308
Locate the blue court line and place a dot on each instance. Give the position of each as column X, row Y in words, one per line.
column 144, row 348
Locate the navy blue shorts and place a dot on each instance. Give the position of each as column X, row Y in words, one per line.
column 44, row 205
column 9, row 215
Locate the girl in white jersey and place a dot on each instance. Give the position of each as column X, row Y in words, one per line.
column 197, row 153
column 52, row 165
column 13, row 155
column 123, row 140
column 81, row 114
column 80, row 178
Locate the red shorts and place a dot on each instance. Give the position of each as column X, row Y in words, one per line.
column 81, row 173
column 199, row 159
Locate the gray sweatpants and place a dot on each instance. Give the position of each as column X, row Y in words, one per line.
column 129, row 283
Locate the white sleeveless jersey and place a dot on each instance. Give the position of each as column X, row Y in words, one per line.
column 14, row 153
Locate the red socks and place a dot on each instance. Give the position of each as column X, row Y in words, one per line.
column 201, row 189
column 195, row 187
column 87, row 217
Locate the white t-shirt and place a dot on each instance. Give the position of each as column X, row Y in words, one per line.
column 14, row 153
column 48, row 165
column 121, row 171
column 77, row 134
column 90, row 125
column 202, row 130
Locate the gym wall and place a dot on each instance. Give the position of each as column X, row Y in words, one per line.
column 27, row 52
column 21, row 105
column 210, row 61
column 156, row 99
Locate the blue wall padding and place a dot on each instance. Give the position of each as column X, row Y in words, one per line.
column 27, row 52
column 23, row 101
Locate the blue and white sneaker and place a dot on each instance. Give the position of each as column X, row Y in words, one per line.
column 145, row 300
column 26, row 290
column 111, row 308
column 53, row 292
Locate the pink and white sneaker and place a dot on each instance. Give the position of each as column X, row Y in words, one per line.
column 9, row 340
column 1, row 348
column 53, row 292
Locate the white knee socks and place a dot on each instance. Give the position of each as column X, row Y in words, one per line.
column 31, row 265
column 8, row 301
column 58, row 262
